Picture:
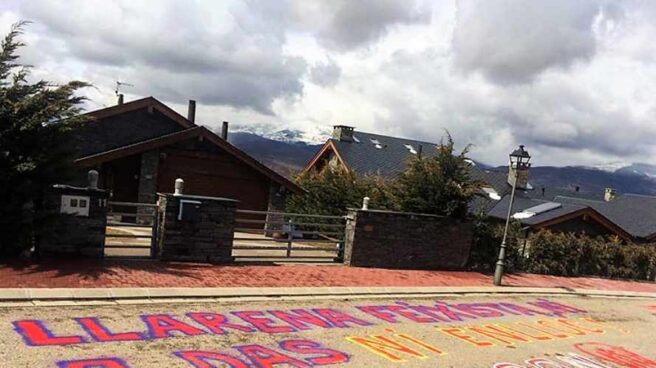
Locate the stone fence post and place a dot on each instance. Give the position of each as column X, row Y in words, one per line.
column 75, row 219
column 195, row 228
column 389, row 239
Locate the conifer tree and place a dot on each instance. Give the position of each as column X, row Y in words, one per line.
column 35, row 120
column 438, row 184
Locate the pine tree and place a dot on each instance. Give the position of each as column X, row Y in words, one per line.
column 333, row 190
column 438, row 184
column 35, row 120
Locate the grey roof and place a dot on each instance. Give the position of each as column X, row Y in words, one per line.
column 500, row 210
column 634, row 213
column 550, row 193
column 389, row 161
column 496, row 179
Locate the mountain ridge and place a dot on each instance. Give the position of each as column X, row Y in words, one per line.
column 287, row 152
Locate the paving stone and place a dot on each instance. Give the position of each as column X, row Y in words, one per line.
column 126, row 278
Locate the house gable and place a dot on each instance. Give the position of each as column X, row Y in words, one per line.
column 367, row 153
column 126, row 124
column 324, row 156
column 199, row 133
column 587, row 220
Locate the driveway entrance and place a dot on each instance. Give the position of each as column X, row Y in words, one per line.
column 131, row 230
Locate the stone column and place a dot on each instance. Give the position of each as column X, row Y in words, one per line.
column 147, row 185
column 76, row 219
column 277, row 199
column 201, row 231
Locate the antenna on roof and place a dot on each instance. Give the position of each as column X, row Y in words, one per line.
column 118, row 87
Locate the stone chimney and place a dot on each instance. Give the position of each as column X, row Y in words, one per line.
column 343, row 133
column 522, row 176
column 609, row 194
column 224, row 130
column 191, row 111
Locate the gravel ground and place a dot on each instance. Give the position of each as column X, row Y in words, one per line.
column 413, row 339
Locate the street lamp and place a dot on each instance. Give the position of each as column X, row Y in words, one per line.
column 519, row 159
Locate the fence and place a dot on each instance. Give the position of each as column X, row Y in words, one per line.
column 131, row 230
column 290, row 236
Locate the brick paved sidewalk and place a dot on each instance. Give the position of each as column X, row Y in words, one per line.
column 90, row 274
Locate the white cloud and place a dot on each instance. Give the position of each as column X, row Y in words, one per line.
column 572, row 80
column 325, row 74
column 344, row 24
column 513, row 40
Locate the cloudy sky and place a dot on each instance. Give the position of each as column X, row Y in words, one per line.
column 575, row 81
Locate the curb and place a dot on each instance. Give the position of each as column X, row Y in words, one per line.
column 36, row 296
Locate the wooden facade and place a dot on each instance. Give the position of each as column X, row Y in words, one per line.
column 214, row 174
column 164, row 146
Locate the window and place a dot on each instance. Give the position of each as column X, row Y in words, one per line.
column 410, row 148
column 73, row 202
column 376, row 143
column 492, row 193
column 536, row 210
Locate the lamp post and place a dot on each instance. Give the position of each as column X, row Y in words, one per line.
column 519, row 159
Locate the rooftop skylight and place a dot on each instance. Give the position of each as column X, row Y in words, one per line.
column 355, row 139
column 410, row 148
column 536, row 210
column 376, row 143
column 492, row 193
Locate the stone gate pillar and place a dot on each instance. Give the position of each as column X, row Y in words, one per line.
column 195, row 228
column 75, row 220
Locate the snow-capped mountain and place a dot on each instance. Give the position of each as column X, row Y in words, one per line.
column 288, row 151
column 627, row 168
column 312, row 135
column 609, row 166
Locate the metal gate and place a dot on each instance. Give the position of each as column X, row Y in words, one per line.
column 131, row 230
column 280, row 236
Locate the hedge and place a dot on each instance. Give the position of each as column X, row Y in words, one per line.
column 564, row 254
column 579, row 255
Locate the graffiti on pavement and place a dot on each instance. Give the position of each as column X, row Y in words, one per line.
column 597, row 355
column 616, row 355
column 460, row 321
column 652, row 308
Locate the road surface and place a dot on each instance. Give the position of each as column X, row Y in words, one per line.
column 471, row 331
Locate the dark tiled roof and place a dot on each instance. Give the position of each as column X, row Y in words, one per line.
column 522, row 202
column 129, row 123
column 549, row 193
column 634, row 213
column 496, row 179
column 388, row 161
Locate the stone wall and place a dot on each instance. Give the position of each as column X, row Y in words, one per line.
column 148, row 184
column 207, row 238
column 400, row 240
column 277, row 199
column 69, row 234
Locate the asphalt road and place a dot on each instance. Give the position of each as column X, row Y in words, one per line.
column 481, row 331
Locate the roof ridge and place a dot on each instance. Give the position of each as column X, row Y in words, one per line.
column 355, row 132
column 141, row 103
column 636, row 195
column 579, row 198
